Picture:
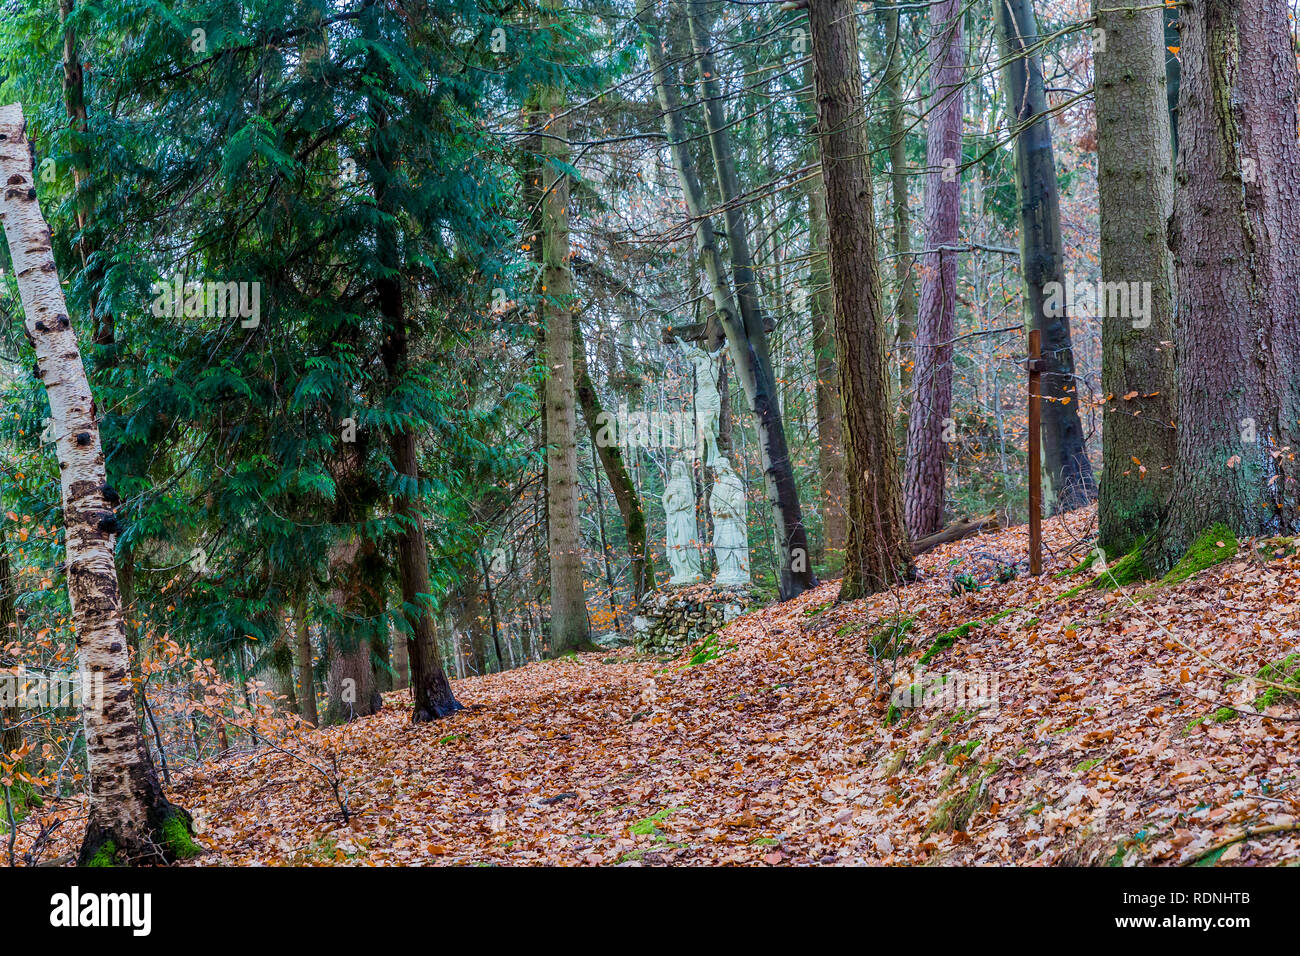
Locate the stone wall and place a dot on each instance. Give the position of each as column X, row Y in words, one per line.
column 672, row 618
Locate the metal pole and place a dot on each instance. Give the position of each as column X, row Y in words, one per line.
column 1035, row 365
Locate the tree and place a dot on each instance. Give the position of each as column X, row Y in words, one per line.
column 1235, row 239
column 876, row 555
column 130, row 818
column 923, row 477
column 1042, row 256
column 569, row 626
column 1135, row 192
column 904, row 266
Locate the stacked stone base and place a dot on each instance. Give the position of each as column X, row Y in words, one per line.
column 672, row 618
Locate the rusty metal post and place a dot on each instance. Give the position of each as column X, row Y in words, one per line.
column 1035, row 366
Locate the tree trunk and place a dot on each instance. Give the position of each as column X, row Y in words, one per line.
column 569, row 626
column 1235, row 240
column 928, row 416
column 1042, row 256
column 877, row 554
column 905, row 303
column 611, row 459
column 355, row 574
column 1135, row 191
column 130, row 819
column 430, row 690
column 306, row 674
column 746, row 337
column 830, row 437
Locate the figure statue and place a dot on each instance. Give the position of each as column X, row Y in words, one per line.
column 679, row 507
column 730, row 534
column 708, row 400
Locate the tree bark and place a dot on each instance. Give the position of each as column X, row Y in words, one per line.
column 923, row 476
column 1042, row 255
column 877, row 555
column 641, row 564
column 1135, row 192
column 905, row 289
column 357, row 607
column 570, row 630
column 306, row 673
column 130, row 819
column 1236, row 241
column 821, row 317
column 746, row 336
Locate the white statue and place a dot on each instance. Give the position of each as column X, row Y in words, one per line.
column 730, row 535
column 679, row 507
column 708, row 400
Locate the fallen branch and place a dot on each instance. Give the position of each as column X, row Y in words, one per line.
column 955, row 532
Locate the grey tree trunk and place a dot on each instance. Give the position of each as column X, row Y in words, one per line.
column 1135, row 190
column 130, row 819
column 877, row 555
column 1236, row 242
column 1042, row 256
column 303, row 660
column 923, row 476
column 569, row 625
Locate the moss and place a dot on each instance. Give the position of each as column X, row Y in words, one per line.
column 967, row 749
column 178, row 838
column 1212, row 546
column 955, row 812
column 888, row 638
column 1086, row 765
column 1079, row 568
column 105, row 855
column 947, row 639
column 1127, row 570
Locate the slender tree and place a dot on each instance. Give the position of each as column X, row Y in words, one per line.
column 923, row 477
column 1135, row 192
column 130, row 818
column 877, row 554
column 569, row 625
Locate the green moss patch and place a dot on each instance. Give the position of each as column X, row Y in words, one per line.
column 1212, row 546
column 947, row 639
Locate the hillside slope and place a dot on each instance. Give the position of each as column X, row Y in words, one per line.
column 1108, row 741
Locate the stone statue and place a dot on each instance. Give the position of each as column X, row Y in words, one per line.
column 708, row 400
column 730, row 535
column 679, row 507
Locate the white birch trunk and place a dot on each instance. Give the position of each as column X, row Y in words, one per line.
column 130, row 820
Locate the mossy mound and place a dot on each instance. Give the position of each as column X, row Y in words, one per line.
column 947, row 639
column 1212, row 546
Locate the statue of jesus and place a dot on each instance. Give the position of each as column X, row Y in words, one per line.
column 708, row 400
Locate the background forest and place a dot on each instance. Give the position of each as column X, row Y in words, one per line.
column 467, row 246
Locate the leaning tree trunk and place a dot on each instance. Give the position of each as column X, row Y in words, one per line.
column 569, row 625
column 1236, row 245
column 130, row 819
column 923, row 476
column 1135, row 192
column 877, row 555
column 1042, row 255
column 640, row 563
column 746, row 337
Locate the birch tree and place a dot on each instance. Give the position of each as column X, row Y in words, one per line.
column 131, row 821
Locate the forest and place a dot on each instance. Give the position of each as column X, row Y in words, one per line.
column 649, row 432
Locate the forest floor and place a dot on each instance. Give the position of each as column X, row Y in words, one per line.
column 1107, row 737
